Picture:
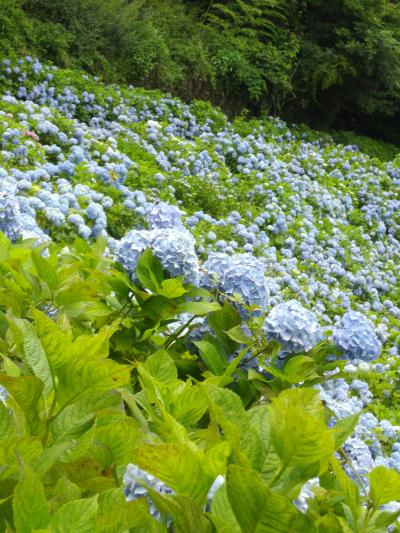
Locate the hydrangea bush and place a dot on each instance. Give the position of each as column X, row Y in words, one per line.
column 173, row 286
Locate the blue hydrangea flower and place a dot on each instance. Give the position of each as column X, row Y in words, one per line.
column 176, row 251
column 355, row 335
column 294, row 327
column 136, row 482
column 130, row 248
column 241, row 274
column 10, row 216
column 174, row 248
column 163, row 215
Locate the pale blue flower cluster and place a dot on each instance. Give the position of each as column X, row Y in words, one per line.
column 296, row 328
column 163, row 215
column 355, row 335
column 174, row 248
column 241, row 274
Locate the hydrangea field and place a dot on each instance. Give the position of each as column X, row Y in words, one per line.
column 199, row 319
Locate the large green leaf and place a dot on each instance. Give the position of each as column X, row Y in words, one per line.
column 32, row 351
column 190, row 403
column 385, row 486
column 75, row 419
column 78, row 516
column 162, row 367
column 172, row 288
column 178, row 465
column 227, row 409
column 30, row 506
column 198, row 308
column 344, row 428
column 222, row 513
column 116, row 515
column 55, row 341
column 212, row 357
column 149, row 271
column 13, row 450
column 46, row 269
column 118, row 437
column 298, row 430
column 26, row 391
column 87, row 374
column 187, row 516
column 259, row 509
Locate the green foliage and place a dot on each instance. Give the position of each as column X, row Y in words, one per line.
column 91, row 388
column 374, row 148
column 330, row 64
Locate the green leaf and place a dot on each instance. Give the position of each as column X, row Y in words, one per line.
column 86, row 374
column 211, row 356
column 236, row 334
column 14, row 450
column 300, row 368
column 178, row 465
column 30, row 507
column 224, row 319
column 172, row 288
column 162, row 367
column 384, row 486
column 96, row 345
column 55, row 342
column 26, row 391
column 76, row 419
column 118, row 438
column 298, row 431
column 198, row 308
column 49, row 456
column 259, row 509
column 227, row 410
column 344, row 484
column 46, row 270
column 222, row 513
column 33, row 353
column 190, row 405
column 79, row 447
column 187, row 517
column 78, row 516
column 383, row 519
column 116, row 515
column 343, row 429
column 159, row 308
column 149, row 271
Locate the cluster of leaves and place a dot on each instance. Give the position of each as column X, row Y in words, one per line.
column 96, row 379
column 292, row 58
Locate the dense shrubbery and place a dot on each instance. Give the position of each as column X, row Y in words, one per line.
column 101, row 390
column 199, row 320
column 330, row 64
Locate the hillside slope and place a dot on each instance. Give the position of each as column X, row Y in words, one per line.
column 282, row 224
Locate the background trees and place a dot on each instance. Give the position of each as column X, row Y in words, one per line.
column 331, row 64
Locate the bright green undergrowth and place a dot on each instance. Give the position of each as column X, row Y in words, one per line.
column 100, row 373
